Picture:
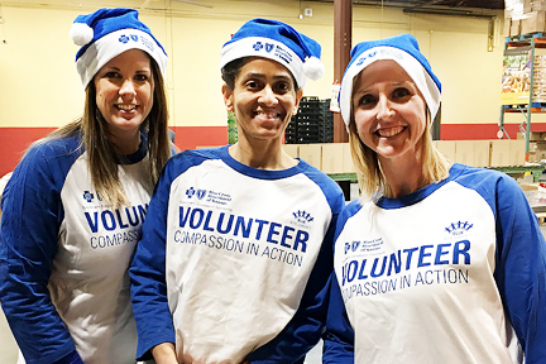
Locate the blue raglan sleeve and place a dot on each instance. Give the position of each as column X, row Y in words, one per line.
column 339, row 336
column 32, row 214
column 303, row 332
column 521, row 268
column 148, row 286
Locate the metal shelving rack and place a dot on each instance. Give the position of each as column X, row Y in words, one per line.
column 537, row 44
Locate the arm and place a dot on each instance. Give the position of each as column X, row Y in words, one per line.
column 339, row 337
column 148, row 287
column 303, row 332
column 521, row 269
column 28, row 244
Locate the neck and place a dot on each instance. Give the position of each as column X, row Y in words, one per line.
column 261, row 154
column 125, row 144
column 402, row 176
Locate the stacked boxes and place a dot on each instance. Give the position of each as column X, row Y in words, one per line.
column 539, row 77
column 524, row 17
column 333, row 158
column 314, row 123
column 537, row 145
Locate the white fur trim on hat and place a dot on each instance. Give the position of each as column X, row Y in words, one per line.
column 313, row 68
column 113, row 44
column 81, row 33
column 419, row 75
column 266, row 48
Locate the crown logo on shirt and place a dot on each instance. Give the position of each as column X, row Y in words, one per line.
column 459, row 228
column 303, row 216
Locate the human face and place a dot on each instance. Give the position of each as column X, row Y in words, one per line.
column 389, row 111
column 264, row 98
column 124, row 93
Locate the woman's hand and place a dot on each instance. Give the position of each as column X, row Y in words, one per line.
column 164, row 353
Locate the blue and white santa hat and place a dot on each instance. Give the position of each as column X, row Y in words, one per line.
column 404, row 50
column 279, row 42
column 107, row 33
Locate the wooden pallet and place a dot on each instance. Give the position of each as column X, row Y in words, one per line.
column 541, row 218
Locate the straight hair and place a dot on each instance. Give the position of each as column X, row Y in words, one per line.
column 103, row 160
column 435, row 166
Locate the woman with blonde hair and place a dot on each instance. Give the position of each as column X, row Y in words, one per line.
column 73, row 209
column 437, row 262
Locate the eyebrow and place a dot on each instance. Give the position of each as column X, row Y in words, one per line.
column 261, row 76
column 396, row 84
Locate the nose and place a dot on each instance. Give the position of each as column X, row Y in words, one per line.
column 384, row 108
column 268, row 97
column 127, row 88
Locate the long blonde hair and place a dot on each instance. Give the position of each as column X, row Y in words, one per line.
column 435, row 167
column 103, row 160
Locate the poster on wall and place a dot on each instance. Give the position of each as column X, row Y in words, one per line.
column 516, row 77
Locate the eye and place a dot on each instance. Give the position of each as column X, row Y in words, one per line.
column 111, row 74
column 252, row 85
column 367, row 100
column 283, row 87
column 141, row 77
column 401, row 93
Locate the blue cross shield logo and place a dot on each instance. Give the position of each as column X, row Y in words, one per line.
column 269, row 47
column 258, row 46
column 124, row 39
column 190, row 192
column 201, row 194
column 88, row 196
column 134, row 38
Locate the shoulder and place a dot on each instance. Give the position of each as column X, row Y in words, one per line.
column 50, row 157
column 187, row 159
column 329, row 187
column 483, row 180
column 56, row 148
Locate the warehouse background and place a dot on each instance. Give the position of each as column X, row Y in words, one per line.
column 40, row 89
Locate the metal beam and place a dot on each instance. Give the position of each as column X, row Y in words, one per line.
column 343, row 22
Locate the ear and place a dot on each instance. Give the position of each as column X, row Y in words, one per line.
column 299, row 95
column 228, row 95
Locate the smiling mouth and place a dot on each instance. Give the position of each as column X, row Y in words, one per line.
column 271, row 115
column 390, row 132
column 126, row 107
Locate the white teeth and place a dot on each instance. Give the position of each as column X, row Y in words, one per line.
column 126, row 107
column 390, row 132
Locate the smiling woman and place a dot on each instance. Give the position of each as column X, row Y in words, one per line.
column 236, row 250
column 436, row 263
column 124, row 88
column 74, row 207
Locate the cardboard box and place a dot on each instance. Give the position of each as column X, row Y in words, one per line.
column 464, row 152
column 473, row 153
column 534, row 23
column 312, row 154
column 517, row 152
column 348, row 165
column 447, row 148
column 505, row 153
column 533, row 136
column 292, row 150
column 482, row 153
column 332, row 157
column 515, row 27
column 500, row 153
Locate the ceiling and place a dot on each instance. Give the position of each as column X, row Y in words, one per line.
column 446, row 4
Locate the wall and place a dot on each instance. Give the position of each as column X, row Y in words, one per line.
column 40, row 89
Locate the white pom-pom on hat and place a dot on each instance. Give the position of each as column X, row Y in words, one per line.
column 313, row 68
column 81, row 33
